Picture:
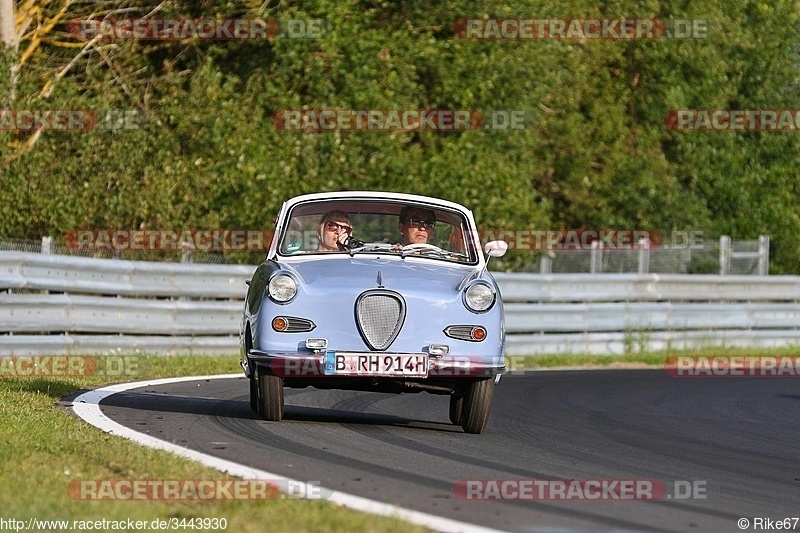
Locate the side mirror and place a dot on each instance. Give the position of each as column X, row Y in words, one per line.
column 496, row 248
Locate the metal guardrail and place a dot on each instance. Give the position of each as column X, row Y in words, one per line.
column 638, row 317
column 21, row 270
column 57, row 304
column 619, row 343
column 69, row 344
column 646, row 287
column 48, row 313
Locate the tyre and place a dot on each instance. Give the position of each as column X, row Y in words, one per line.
column 253, row 394
column 456, row 408
column 270, row 397
column 477, row 403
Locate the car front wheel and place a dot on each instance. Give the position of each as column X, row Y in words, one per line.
column 477, row 403
column 253, row 393
column 270, row 397
column 456, row 408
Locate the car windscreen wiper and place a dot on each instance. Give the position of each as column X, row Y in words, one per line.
column 431, row 250
column 372, row 247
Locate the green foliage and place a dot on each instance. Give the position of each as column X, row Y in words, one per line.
column 597, row 155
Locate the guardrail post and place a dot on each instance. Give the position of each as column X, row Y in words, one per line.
column 596, row 264
column 724, row 255
column 546, row 264
column 47, row 244
column 644, row 255
column 186, row 252
column 763, row 255
column 687, row 256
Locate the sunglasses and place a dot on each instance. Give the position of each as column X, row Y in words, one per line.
column 333, row 226
column 422, row 224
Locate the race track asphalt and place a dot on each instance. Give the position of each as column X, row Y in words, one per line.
column 736, row 440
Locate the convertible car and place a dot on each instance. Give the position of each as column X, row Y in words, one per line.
column 379, row 292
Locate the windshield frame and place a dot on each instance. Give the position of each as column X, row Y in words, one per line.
column 384, row 206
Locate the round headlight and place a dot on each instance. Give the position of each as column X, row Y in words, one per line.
column 282, row 288
column 479, row 297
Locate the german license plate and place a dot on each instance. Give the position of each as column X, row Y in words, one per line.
column 408, row 365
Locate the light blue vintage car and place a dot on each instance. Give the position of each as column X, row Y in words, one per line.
column 375, row 291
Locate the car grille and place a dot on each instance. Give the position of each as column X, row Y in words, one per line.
column 380, row 315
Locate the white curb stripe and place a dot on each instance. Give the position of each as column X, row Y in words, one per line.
column 87, row 406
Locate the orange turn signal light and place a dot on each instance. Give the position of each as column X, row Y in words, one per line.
column 478, row 334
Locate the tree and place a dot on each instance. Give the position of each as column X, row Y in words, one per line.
column 597, row 153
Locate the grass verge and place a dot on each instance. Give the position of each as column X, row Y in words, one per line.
column 43, row 448
column 635, row 360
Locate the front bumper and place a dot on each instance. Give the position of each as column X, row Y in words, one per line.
column 310, row 365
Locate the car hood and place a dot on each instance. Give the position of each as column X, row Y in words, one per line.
column 406, row 276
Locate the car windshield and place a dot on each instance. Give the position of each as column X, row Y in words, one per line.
column 374, row 226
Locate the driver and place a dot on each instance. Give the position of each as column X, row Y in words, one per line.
column 333, row 231
column 416, row 224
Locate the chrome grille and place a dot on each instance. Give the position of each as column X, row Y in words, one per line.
column 379, row 315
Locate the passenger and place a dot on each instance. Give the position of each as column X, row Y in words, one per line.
column 416, row 224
